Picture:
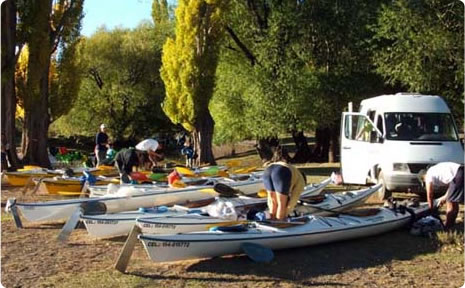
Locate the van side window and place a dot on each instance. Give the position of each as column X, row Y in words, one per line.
column 357, row 128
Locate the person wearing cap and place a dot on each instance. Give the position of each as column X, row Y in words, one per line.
column 101, row 145
column 450, row 175
column 151, row 146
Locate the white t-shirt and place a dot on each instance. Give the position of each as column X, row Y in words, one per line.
column 147, row 144
column 442, row 174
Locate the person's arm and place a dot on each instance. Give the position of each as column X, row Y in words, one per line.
column 430, row 194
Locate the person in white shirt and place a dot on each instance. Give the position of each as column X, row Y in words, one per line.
column 450, row 175
column 151, row 146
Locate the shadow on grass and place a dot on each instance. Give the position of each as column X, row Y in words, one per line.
column 318, row 171
column 300, row 264
column 239, row 155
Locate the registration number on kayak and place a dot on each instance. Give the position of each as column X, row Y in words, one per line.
column 169, row 244
column 104, row 222
column 163, row 226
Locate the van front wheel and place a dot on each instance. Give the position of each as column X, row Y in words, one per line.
column 383, row 192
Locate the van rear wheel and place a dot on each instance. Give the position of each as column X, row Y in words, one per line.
column 383, row 192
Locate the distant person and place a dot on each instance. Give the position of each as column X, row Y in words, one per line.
column 110, row 155
column 129, row 159
column 188, row 151
column 101, row 145
column 450, row 175
column 153, row 148
column 284, row 184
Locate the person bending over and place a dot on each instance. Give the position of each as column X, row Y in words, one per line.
column 450, row 175
column 128, row 160
column 284, row 184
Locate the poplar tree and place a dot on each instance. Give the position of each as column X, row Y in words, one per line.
column 188, row 71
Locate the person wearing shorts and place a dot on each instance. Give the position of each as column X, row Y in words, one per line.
column 448, row 174
column 284, row 184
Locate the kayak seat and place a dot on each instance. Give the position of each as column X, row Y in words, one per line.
column 232, row 228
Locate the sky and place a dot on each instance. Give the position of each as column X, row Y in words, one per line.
column 113, row 13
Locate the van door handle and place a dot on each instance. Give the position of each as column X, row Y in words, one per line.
column 346, row 147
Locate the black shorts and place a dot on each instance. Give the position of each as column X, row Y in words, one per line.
column 277, row 178
column 455, row 191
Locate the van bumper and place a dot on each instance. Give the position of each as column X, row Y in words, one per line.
column 407, row 183
column 403, row 183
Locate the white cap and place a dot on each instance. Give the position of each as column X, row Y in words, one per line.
column 147, row 144
column 102, row 126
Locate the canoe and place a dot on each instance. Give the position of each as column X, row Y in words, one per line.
column 117, row 224
column 331, row 204
column 314, row 230
column 127, row 200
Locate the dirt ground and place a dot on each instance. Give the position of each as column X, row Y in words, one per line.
column 32, row 257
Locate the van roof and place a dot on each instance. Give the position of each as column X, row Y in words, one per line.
column 405, row 102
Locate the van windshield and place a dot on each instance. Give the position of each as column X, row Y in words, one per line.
column 420, row 126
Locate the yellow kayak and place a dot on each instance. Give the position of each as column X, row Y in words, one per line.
column 53, row 186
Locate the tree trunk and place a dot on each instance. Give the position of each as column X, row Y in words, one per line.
column 8, row 97
column 303, row 153
column 203, row 138
column 37, row 118
column 322, row 140
column 334, row 144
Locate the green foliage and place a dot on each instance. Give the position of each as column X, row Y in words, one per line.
column 419, row 44
column 121, row 85
column 190, row 60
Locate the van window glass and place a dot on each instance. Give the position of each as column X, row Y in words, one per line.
column 420, row 127
column 357, row 127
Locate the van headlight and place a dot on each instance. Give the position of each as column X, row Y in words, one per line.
column 400, row 167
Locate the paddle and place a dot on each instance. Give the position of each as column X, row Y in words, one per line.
column 258, row 253
column 227, row 191
column 126, row 253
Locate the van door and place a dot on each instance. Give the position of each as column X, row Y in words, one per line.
column 359, row 137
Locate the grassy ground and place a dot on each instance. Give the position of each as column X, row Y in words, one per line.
column 31, row 257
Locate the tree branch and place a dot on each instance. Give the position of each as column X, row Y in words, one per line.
column 241, row 45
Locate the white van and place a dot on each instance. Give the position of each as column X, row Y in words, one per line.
column 393, row 137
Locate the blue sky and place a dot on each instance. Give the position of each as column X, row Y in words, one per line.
column 113, row 13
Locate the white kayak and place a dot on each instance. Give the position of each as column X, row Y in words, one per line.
column 117, row 224
column 316, row 230
column 132, row 200
column 234, row 180
column 174, row 224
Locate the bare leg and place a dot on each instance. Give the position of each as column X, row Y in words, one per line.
column 452, row 209
column 272, row 204
column 282, row 206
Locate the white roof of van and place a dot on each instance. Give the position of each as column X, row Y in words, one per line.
column 405, row 102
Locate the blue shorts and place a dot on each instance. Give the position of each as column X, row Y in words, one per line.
column 455, row 193
column 277, row 178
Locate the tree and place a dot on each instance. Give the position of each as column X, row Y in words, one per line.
column 8, row 97
column 48, row 23
column 121, row 85
column 419, row 44
column 188, row 71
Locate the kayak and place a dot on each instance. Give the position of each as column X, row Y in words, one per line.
column 21, row 178
column 117, row 224
column 331, row 204
column 125, row 200
column 310, row 230
column 102, row 190
column 73, row 184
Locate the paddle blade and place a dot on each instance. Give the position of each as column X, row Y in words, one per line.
column 258, row 253
column 225, row 190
